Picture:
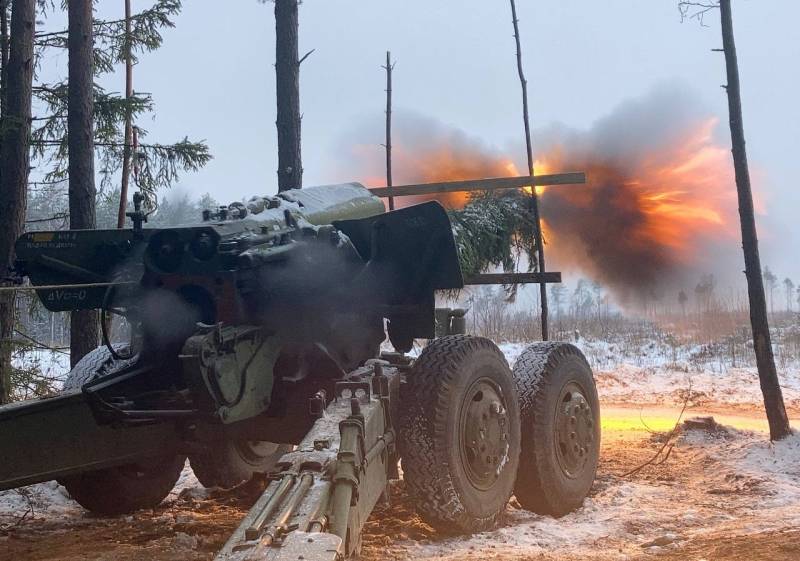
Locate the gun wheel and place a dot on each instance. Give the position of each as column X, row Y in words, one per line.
column 123, row 489
column 561, row 422
column 229, row 462
column 127, row 488
column 460, row 439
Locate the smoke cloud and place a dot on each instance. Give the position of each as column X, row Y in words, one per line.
column 659, row 207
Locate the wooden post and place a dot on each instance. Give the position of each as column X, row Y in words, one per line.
column 126, row 151
column 534, row 200
column 485, row 184
column 389, row 67
column 770, row 387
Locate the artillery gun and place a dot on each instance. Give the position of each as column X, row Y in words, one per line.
column 254, row 347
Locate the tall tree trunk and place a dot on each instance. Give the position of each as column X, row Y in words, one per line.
column 389, row 67
column 287, row 73
column 3, row 53
column 84, row 332
column 14, row 166
column 126, row 150
column 534, row 200
column 770, row 387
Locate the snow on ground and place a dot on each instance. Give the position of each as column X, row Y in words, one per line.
column 649, row 372
column 734, row 484
column 43, row 501
column 655, row 373
column 51, row 501
column 51, row 364
column 722, row 484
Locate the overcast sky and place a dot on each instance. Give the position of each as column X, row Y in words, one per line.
column 214, row 79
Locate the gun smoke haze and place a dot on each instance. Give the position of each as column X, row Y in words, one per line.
column 659, row 209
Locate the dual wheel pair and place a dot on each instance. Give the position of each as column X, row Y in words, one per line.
column 474, row 432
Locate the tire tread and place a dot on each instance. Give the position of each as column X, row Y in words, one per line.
column 425, row 398
column 532, row 372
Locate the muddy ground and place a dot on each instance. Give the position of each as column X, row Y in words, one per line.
column 727, row 495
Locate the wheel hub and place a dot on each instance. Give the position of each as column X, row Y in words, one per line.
column 484, row 433
column 575, row 430
column 254, row 451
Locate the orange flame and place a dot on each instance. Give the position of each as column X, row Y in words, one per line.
column 680, row 196
column 642, row 217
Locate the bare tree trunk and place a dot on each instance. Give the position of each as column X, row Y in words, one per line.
column 389, row 67
column 14, row 166
column 770, row 387
column 534, row 199
column 3, row 53
column 84, row 332
column 126, row 150
column 287, row 73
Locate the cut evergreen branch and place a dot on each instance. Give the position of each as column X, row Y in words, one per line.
column 495, row 230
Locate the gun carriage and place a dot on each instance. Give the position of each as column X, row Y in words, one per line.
column 254, row 347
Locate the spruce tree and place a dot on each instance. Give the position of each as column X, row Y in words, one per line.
column 158, row 164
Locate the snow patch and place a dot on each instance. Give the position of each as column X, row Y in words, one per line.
column 655, row 373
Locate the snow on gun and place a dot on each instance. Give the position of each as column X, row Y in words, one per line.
column 254, row 348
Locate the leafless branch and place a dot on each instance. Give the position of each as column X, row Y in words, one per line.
column 29, row 512
column 57, row 216
column 663, row 453
column 696, row 10
column 305, row 56
column 41, row 345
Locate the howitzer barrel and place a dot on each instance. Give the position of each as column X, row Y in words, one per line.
column 73, row 260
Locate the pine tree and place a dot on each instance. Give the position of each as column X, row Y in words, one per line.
column 15, row 126
column 157, row 165
column 682, row 300
column 788, row 285
column 84, row 327
column 762, row 343
column 771, row 281
column 287, row 74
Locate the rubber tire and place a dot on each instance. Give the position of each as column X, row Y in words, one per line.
column 541, row 372
column 128, row 488
column 225, row 465
column 123, row 489
column 435, row 476
column 95, row 364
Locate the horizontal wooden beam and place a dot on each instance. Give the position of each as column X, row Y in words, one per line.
column 514, row 278
column 573, row 178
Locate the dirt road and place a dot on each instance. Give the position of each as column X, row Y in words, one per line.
column 727, row 495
